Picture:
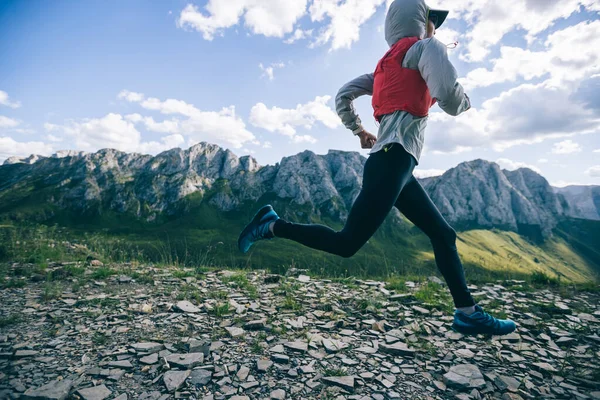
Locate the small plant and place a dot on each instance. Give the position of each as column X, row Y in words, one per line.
column 11, row 319
column 221, row 309
column 103, row 273
column 542, row 279
column 241, row 281
column 99, row 338
column 335, row 371
column 51, row 291
column 290, row 303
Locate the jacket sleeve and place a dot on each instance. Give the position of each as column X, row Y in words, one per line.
column 441, row 78
column 346, row 95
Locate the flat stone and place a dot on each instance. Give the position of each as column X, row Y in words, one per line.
column 345, row 382
column 263, row 365
column 100, row 392
column 151, row 359
column 147, row 347
column 26, row 353
column 234, row 331
column 125, row 364
column 397, row 349
column 333, row 346
column 278, row 394
column 464, row 353
column 543, row 366
column 187, row 307
column 280, row 358
column 200, row 377
column 507, row 382
column 242, row 373
column 174, row 379
column 304, row 278
column 421, row 310
column 55, row 390
column 464, row 376
column 298, row 346
column 187, row 361
column 255, row 325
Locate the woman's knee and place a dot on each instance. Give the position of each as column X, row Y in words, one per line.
column 445, row 236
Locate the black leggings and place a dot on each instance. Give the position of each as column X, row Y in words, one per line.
column 388, row 182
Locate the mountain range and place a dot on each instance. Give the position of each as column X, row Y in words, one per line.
column 70, row 187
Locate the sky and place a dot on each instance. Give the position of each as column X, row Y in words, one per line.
column 259, row 77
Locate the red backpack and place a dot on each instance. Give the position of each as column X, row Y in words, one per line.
column 398, row 88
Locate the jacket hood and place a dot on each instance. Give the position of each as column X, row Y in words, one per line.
column 405, row 18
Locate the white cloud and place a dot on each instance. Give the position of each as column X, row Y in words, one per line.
column 264, row 17
column 593, row 172
column 525, row 114
column 6, row 122
column 511, row 165
column 268, row 71
column 542, row 160
column 53, row 138
column 91, row 134
column 597, row 151
column 221, row 127
column 285, row 121
column 427, row 173
column 566, row 147
column 570, row 55
column 5, row 101
column 447, row 35
column 298, row 34
column 267, row 145
column 490, row 20
column 304, row 139
column 10, row 147
column 130, row 96
column 111, row 131
column 345, row 20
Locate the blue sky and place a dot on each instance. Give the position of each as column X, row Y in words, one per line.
column 259, row 77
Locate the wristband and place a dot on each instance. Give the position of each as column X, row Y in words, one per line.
column 357, row 131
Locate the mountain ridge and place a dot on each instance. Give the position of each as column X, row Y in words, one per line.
column 475, row 193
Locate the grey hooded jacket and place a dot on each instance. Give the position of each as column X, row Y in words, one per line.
column 407, row 18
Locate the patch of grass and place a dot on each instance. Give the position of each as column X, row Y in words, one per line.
column 99, row 338
column 371, row 304
column 182, row 274
column 334, row 371
column 9, row 320
column 543, row 279
column 221, row 309
column 190, row 292
column 14, row 283
column 144, row 279
column 290, row 303
column 397, row 284
column 51, row 291
column 102, row 273
column 435, row 295
column 240, row 281
column 68, row 271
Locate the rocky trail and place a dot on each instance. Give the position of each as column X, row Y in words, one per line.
column 137, row 332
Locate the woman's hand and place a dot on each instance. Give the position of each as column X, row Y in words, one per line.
column 367, row 141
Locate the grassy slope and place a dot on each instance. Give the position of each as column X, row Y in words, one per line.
column 202, row 235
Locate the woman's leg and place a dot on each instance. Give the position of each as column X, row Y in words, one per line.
column 385, row 174
column 416, row 205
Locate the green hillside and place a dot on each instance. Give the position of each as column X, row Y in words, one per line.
column 201, row 235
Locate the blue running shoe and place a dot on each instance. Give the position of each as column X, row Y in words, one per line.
column 481, row 322
column 258, row 228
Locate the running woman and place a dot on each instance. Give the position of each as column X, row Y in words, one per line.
column 414, row 74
